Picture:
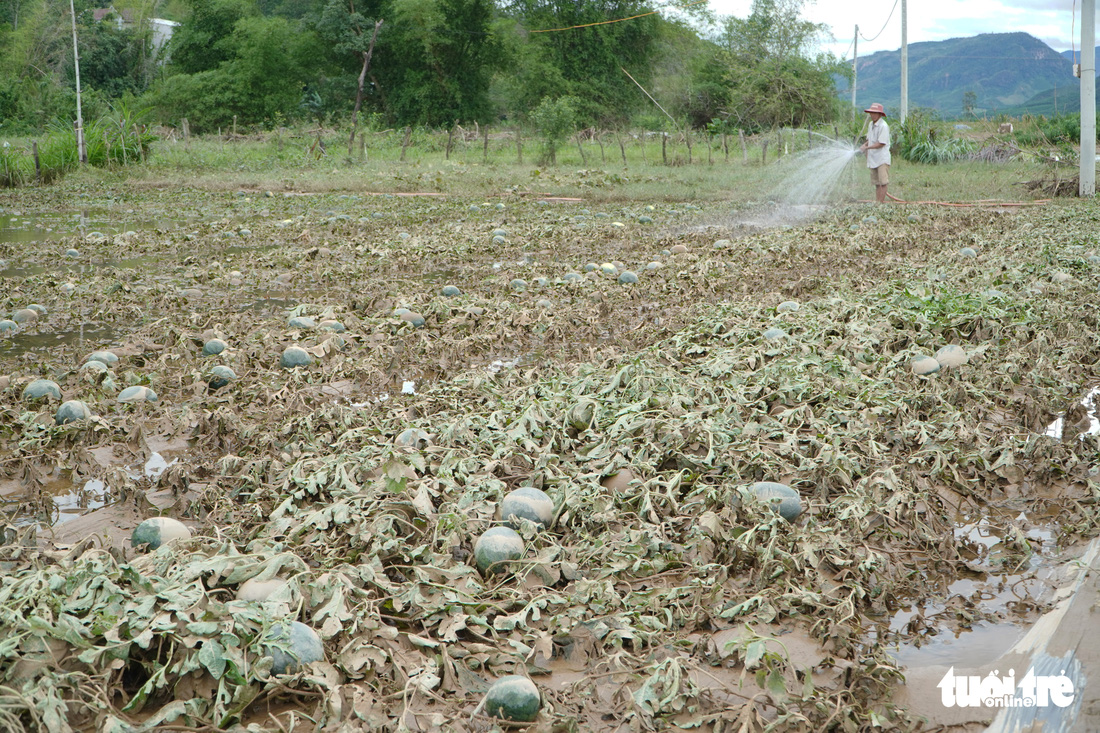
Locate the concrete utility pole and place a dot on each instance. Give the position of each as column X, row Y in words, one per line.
column 81, row 150
column 904, row 63
column 855, row 72
column 1088, row 98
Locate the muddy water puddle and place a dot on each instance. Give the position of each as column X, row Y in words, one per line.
column 24, row 342
column 1012, row 570
column 63, row 496
column 16, row 227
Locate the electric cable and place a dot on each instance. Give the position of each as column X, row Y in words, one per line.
column 883, row 25
column 616, row 20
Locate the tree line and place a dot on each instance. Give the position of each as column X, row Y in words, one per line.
column 433, row 63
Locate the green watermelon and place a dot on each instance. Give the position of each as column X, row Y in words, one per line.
column 25, row 315
column 295, row 356
column 213, row 347
column 626, row 277
column 527, row 502
column 303, row 322
column 8, row 326
column 292, row 645
column 219, row 376
column 514, row 698
column 42, row 388
column 137, row 393
column 451, row 291
column 107, row 357
column 413, row 318
column 497, row 548
column 71, row 411
column 780, row 497
column 157, row 531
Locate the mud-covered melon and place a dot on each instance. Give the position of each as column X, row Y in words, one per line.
column 213, row 347
column 924, row 365
column 25, row 316
column 71, row 411
column 451, row 291
column 527, row 502
column 331, row 325
column 106, row 357
column 780, row 497
column 303, row 322
column 295, row 356
column 413, row 318
column 156, row 531
column 513, row 698
column 42, row 389
column 137, row 393
column 291, row 645
column 8, row 326
column 259, row 590
column 219, row 376
column 497, row 548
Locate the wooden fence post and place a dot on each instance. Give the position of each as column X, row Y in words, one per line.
column 485, row 145
column 37, row 162
column 664, row 148
column 186, row 134
column 450, row 143
column 584, row 160
column 641, row 139
column 687, row 139
column 405, row 143
column 744, row 149
column 764, row 154
column 622, row 148
column 519, row 146
column 599, row 139
column 725, row 146
column 362, row 148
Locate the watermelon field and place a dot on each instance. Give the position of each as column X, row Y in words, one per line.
column 334, row 388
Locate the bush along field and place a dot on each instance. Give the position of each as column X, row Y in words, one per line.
column 335, row 396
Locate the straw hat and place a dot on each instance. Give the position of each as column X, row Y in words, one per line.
column 876, row 108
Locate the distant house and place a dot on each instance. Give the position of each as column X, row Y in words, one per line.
column 121, row 18
column 162, row 29
column 162, row 32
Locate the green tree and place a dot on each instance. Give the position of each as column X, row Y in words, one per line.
column 970, row 101
column 555, row 120
column 773, row 80
column 263, row 66
column 585, row 61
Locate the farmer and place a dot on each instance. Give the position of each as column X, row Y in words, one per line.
column 877, row 149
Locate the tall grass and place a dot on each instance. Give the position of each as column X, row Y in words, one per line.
column 117, row 140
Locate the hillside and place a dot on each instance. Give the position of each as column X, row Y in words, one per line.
column 1001, row 69
column 1076, row 56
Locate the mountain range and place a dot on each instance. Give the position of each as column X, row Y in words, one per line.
column 1007, row 73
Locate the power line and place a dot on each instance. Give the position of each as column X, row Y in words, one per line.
column 616, row 20
column 883, row 25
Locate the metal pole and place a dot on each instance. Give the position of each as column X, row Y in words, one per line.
column 855, row 72
column 1088, row 98
column 82, row 151
column 904, row 63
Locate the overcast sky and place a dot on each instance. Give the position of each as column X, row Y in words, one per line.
column 1051, row 21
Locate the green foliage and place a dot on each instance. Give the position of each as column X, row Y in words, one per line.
column 919, row 140
column 259, row 78
column 586, row 62
column 555, row 120
column 121, row 138
column 1063, row 132
column 772, row 81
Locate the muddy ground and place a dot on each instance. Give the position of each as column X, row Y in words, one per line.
column 939, row 511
